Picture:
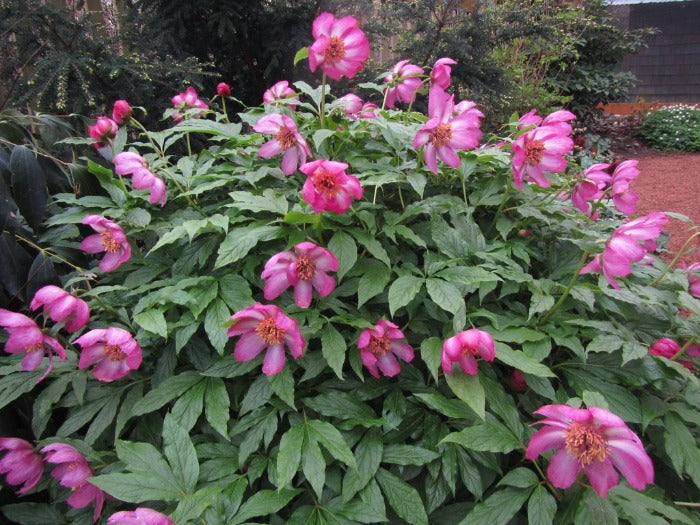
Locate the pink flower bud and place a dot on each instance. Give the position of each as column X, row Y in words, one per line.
column 121, row 111
column 518, row 381
column 104, row 131
column 223, row 89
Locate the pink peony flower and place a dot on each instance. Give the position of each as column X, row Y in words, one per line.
column 72, row 472
column 594, row 440
column 185, row 101
column 694, row 279
column 441, row 74
column 328, row 187
column 445, row 133
column 664, row 347
column 115, row 351
column 463, row 347
column 589, row 187
column 26, row 337
column 223, row 89
column 517, row 379
column 340, row 48
column 110, row 239
column 304, row 268
column 352, row 105
column 104, row 131
column 121, row 111
column 22, row 465
column 287, row 139
column 402, row 83
column 542, row 149
column 531, row 118
column 280, row 91
column 59, row 305
column 381, row 345
column 139, row 516
column 129, row 163
column 624, row 247
column 266, row 327
column 624, row 199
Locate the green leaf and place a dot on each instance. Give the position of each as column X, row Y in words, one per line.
column 445, row 295
column 372, row 283
column 28, row 513
column 297, row 217
column 680, row 445
column 521, row 361
column 282, row 384
column 368, row 454
column 345, row 250
column 498, row 508
column 202, row 295
column 468, row 389
column 168, row 390
column 332, row 440
column 240, row 241
column 591, row 509
column 257, row 395
column 542, row 507
column 489, row 436
column 640, row 508
column 343, row 405
column 179, row 450
column 320, row 135
column 188, row 407
column 520, row 477
column 215, row 320
column 136, row 488
column 192, row 506
column 217, row 405
column 453, row 408
column 235, row 291
column 333, row 348
column 313, row 465
column 408, row 455
column 373, row 246
column 300, row 55
column 289, row 454
column 153, row 321
column 402, row 497
column 264, row 503
column 403, row 290
column 431, row 352
column 270, row 200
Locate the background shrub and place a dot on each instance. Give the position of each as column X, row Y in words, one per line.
column 672, row 128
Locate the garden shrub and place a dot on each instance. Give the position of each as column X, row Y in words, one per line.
column 675, row 128
column 437, row 291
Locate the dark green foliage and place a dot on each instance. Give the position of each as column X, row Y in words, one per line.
column 672, row 128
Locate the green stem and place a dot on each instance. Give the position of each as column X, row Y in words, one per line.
column 675, row 259
column 322, row 105
column 48, row 253
column 189, row 146
column 223, row 105
column 571, row 284
column 182, row 190
column 464, row 191
column 683, row 349
column 160, row 152
column 403, row 206
column 506, row 194
column 546, row 481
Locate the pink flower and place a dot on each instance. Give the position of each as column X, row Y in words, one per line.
column 280, row 91
column 624, row 247
column 402, row 83
column 594, row 440
column 441, row 74
column 445, row 133
column 110, row 239
column 223, row 89
column 624, row 199
column 381, row 345
column 352, row 105
column 22, row 465
column 26, row 337
column 590, row 187
column 185, row 101
column 287, row 139
column 463, row 347
column 531, row 118
column 664, row 347
column 694, row 279
column 517, row 379
column 266, row 327
column 340, row 48
column 129, row 163
column 328, row 187
column 104, row 131
column 72, row 472
column 121, row 111
column 139, row 516
column 304, row 268
column 115, row 351
column 62, row 306
column 542, row 149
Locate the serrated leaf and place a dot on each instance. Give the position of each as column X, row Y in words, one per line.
column 402, row 497
column 403, row 290
column 468, row 389
column 332, row 440
column 333, row 348
column 289, row 454
column 345, row 250
column 179, row 450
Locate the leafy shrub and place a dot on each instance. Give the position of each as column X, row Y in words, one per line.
column 672, row 128
column 151, row 406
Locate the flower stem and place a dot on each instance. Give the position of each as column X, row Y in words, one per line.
column 675, row 259
column 683, row 349
column 223, row 105
column 189, row 146
column 571, row 284
column 546, row 481
column 322, row 104
column 160, row 152
column 506, row 194
column 464, row 191
column 48, row 253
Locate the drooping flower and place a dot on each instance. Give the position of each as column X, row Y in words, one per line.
column 304, row 268
column 441, row 74
column 624, row 199
column 185, row 101
column 27, row 338
column 463, row 349
column 517, row 379
column 223, row 89
column 266, row 327
column 59, row 305
column 589, row 187
column 110, row 238
column 355, row 108
column 121, row 111
column 664, row 347
column 340, row 48
column 629, row 243
column 280, row 91
column 592, row 439
column 402, row 83
column 328, row 187
column 694, row 279
column 542, row 149
column 139, row 516
column 72, row 472
column 130, row 163
column 287, row 139
column 115, row 351
column 21, row 464
column 104, row 131
column 381, row 345
column 445, row 132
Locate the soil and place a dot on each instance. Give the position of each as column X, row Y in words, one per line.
column 668, row 181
